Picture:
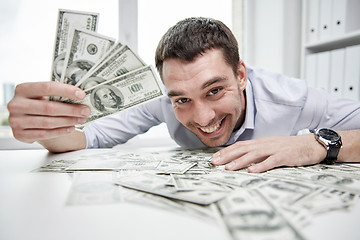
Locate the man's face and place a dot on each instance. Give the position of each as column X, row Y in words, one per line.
column 107, row 97
column 207, row 97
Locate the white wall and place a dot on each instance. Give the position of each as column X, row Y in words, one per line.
column 155, row 17
column 273, row 35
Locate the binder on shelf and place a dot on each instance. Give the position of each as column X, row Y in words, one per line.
column 352, row 22
column 352, row 72
column 325, row 19
column 338, row 21
column 329, row 19
column 323, row 71
column 337, row 64
column 313, row 20
column 310, row 70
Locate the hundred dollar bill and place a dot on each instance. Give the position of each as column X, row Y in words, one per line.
column 248, row 215
column 112, row 165
column 237, row 178
column 334, row 178
column 325, row 200
column 90, row 188
column 121, row 93
column 122, row 61
column 68, row 19
column 85, row 49
column 112, row 50
column 207, row 212
column 158, row 184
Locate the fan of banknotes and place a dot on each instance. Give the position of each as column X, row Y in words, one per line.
column 113, row 76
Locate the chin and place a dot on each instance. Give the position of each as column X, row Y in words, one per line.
column 214, row 143
column 215, row 139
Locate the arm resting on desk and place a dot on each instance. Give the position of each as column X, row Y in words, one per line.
column 262, row 154
column 73, row 141
column 350, row 152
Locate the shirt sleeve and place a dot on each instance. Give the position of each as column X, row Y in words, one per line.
column 325, row 110
column 119, row 128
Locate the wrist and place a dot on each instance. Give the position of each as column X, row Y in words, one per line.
column 331, row 142
column 318, row 150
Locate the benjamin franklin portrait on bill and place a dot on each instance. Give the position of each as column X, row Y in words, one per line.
column 107, row 98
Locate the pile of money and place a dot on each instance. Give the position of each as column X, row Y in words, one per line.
column 112, row 75
column 277, row 204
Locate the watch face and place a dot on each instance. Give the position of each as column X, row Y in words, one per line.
column 329, row 134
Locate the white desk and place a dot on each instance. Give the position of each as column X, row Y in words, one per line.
column 32, row 206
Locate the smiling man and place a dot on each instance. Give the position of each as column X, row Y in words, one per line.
column 207, row 96
column 213, row 99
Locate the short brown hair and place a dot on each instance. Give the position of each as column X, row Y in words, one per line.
column 193, row 36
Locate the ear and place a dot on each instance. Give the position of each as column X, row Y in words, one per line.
column 242, row 75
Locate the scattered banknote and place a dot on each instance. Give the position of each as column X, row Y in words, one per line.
column 325, row 199
column 158, row 166
column 159, row 185
column 347, row 179
column 209, row 213
column 112, row 165
column 248, row 215
column 94, row 188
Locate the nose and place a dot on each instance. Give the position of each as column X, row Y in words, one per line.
column 203, row 114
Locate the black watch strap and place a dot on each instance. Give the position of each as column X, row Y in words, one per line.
column 332, row 153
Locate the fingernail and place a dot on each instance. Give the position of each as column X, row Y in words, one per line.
column 216, row 158
column 85, row 111
column 230, row 165
column 80, row 94
column 81, row 120
column 252, row 168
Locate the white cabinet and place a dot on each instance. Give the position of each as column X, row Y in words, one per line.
column 331, row 46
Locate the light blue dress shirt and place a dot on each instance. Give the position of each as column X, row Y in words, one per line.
column 276, row 105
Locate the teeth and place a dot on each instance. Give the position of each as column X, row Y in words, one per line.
column 211, row 129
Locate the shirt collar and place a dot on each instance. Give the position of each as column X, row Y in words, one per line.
column 249, row 115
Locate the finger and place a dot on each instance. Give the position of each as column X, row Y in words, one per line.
column 227, row 154
column 50, row 88
column 30, row 136
column 235, row 151
column 48, row 108
column 269, row 163
column 44, row 122
column 244, row 161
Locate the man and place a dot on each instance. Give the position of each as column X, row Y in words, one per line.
column 213, row 100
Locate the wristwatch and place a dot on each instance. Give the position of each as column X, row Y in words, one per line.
column 331, row 140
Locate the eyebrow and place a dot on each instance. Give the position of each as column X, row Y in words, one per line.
column 205, row 85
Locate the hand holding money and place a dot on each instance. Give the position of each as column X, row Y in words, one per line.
column 91, row 61
column 32, row 117
column 112, row 75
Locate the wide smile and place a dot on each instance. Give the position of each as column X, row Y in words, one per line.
column 213, row 129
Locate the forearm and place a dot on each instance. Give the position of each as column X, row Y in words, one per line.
column 350, row 152
column 73, row 141
column 266, row 153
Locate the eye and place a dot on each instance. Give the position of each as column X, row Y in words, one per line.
column 214, row 91
column 182, row 100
